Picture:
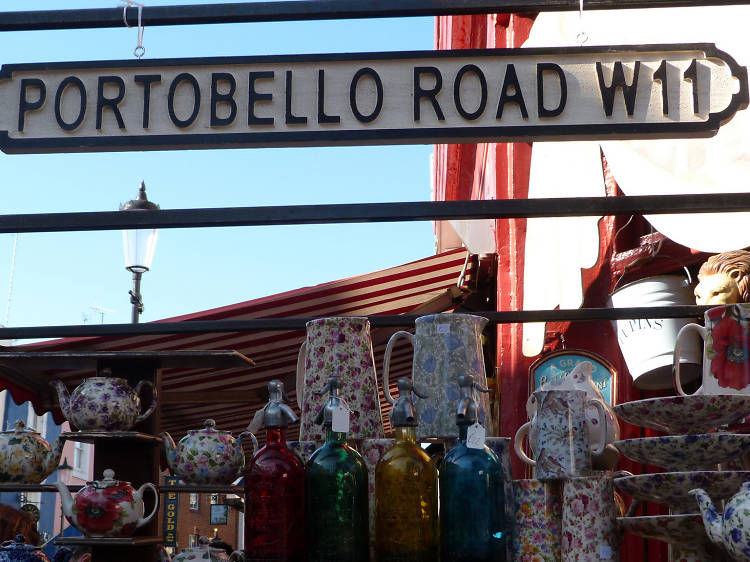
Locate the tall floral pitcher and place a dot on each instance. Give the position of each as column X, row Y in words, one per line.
column 445, row 347
column 339, row 346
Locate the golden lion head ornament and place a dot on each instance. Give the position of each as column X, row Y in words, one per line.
column 724, row 279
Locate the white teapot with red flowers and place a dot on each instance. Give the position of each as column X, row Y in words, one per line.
column 207, row 456
column 107, row 507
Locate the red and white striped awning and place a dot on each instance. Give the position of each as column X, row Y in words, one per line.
column 424, row 286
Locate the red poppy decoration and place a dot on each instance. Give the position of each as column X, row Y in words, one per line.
column 95, row 513
column 730, row 343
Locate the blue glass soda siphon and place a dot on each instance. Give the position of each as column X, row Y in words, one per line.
column 472, row 504
column 336, row 491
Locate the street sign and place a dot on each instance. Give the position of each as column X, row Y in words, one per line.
column 171, row 507
column 626, row 92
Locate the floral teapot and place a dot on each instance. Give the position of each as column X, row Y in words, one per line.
column 104, row 403
column 731, row 530
column 107, row 507
column 207, row 456
column 18, row 550
column 580, row 379
column 25, row 457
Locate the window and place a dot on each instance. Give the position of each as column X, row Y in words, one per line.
column 81, row 452
column 194, row 503
column 37, row 423
column 192, row 539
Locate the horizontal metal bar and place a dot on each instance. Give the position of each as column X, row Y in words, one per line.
column 307, row 10
column 376, row 212
column 377, row 321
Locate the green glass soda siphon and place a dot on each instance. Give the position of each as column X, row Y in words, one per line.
column 336, row 491
column 406, row 490
column 472, row 503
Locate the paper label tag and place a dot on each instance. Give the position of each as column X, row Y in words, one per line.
column 475, row 436
column 443, row 328
column 605, row 552
column 340, row 422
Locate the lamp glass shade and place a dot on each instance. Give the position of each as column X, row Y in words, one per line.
column 139, row 246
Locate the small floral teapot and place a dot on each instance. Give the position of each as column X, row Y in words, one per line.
column 580, row 379
column 18, row 550
column 207, row 456
column 107, row 507
column 104, row 403
column 731, row 530
column 25, row 457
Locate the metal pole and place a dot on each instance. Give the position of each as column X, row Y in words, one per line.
column 135, row 297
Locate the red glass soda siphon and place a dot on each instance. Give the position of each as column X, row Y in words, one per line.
column 275, row 490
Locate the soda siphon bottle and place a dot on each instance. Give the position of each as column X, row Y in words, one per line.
column 472, row 511
column 275, row 489
column 406, row 490
column 336, row 486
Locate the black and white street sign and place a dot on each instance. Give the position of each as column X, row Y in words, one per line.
column 625, row 92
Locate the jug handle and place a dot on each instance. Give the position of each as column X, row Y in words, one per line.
column 523, row 430
column 387, row 360
column 152, row 407
column 602, row 427
column 251, row 435
column 141, row 522
column 301, row 373
column 702, row 332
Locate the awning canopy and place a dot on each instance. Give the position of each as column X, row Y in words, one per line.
column 231, row 394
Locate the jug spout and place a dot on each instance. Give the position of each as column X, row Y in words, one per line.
column 63, row 396
column 52, row 460
column 712, row 521
column 66, row 502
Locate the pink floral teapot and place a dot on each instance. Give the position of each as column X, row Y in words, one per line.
column 107, row 507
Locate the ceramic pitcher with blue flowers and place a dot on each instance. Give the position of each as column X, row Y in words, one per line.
column 446, row 346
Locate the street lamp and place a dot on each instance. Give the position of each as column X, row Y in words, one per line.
column 63, row 470
column 139, row 248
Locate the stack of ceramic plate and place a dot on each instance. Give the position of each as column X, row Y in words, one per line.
column 691, row 454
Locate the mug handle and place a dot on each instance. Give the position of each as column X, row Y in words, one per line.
column 152, row 407
column 602, row 427
column 387, row 360
column 142, row 521
column 301, row 373
column 523, row 430
column 702, row 332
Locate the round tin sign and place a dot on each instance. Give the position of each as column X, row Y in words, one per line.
column 557, row 365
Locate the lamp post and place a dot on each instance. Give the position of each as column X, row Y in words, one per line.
column 63, row 470
column 139, row 246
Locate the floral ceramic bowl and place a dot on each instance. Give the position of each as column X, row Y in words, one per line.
column 680, row 415
column 685, row 452
column 671, row 488
column 684, row 529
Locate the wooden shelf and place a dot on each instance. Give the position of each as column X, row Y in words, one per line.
column 94, row 436
column 108, row 541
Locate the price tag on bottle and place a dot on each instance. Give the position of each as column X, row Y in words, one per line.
column 475, row 436
column 340, row 419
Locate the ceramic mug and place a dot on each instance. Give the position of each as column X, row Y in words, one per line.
column 726, row 350
column 445, row 346
column 558, row 434
column 339, row 346
column 538, row 521
column 589, row 518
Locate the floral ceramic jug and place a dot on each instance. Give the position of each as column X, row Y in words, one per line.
column 732, row 529
column 445, row 347
column 104, row 403
column 18, row 550
column 339, row 346
column 207, row 456
column 25, row 457
column 580, row 379
column 107, row 507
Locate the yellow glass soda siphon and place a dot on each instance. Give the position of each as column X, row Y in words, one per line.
column 406, row 490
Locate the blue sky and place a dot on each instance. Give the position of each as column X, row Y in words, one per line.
column 59, row 277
